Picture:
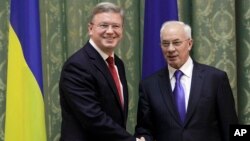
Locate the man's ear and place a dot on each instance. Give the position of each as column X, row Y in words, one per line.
column 90, row 26
column 190, row 44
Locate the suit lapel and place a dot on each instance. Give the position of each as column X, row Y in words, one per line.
column 98, row 61
column 166, row 91
column 123, row 81
column 195, row 91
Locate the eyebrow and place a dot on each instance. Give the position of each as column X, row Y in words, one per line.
column 171, row 40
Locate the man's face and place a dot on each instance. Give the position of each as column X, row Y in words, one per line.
column 106, row 30
column 175, row 45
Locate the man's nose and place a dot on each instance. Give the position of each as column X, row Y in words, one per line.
column 171, row 47
column 110, row 29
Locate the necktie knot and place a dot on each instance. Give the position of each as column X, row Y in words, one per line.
column 178, row 74
column 110, row 60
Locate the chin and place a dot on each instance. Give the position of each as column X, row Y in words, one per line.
column 174, row 65
column 110, row 45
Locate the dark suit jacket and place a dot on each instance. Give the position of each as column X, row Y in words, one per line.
column 89, row 99
column 210, row 110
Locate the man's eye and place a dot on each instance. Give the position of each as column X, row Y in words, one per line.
column 103, row 25
column 177, row 43
column 166, row 44
column 115, row 26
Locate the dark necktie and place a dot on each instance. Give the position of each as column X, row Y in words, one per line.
column 179, row 95
column 111, row 66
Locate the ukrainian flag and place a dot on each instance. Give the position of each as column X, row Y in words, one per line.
column 25, row 116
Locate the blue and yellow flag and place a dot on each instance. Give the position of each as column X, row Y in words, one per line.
column 25, row 116
column 156, row 13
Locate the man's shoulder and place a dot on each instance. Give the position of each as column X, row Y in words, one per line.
column 76, row 56
column 79, row 59
column 208, row 68
column 156, row 75
column 81, row 54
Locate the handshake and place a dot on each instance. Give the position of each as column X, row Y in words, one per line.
column 140, row 139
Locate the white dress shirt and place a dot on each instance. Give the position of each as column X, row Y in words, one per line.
column 187, row 70
column 105, row 56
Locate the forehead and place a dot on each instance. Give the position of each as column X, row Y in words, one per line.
column 110, row 17
column 174, row 31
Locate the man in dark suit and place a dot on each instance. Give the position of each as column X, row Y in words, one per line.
column 93, row 91
column 201, row 110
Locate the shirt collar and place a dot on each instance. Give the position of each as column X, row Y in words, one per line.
column 186, row 68
column 103, row 55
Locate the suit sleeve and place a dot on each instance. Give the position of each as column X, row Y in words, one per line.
column 226, row 107
column 144, row 125
column 79, row 91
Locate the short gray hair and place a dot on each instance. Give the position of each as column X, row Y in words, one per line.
column 104, row 7
column 186, row 27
